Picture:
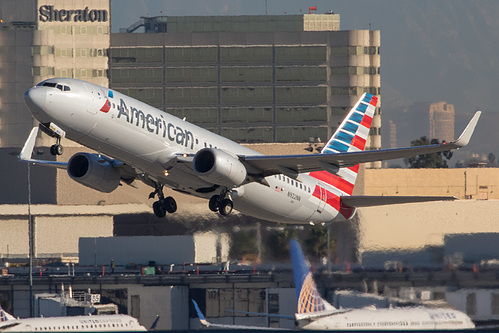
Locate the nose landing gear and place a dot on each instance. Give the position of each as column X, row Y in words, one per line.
column 57, row 149
column 163, row 205
column 56, row 132
column 221, row 203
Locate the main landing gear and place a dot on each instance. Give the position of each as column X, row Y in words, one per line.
column 221, row 203
column 163, row 205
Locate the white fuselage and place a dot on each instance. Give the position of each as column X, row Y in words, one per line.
column 398, row 319
column 100, row 323
column 149, row 140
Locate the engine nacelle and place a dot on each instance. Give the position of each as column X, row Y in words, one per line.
column 218, row 167
column 94, row 171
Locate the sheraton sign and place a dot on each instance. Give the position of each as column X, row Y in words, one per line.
column 49, row 14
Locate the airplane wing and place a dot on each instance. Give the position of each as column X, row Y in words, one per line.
column 291, row 165
column 8, row 324
column 27, row 152
column 127, row 173
column 206, row 323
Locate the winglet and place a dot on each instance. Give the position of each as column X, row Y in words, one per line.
column 465, row 137
column 27, row 150
column 154, row 324
column 202, row 319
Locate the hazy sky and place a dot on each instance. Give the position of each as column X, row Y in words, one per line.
column 127, row 12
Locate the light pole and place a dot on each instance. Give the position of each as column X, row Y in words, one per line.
column 30, row 244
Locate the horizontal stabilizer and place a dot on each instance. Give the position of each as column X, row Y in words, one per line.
column 369, row 201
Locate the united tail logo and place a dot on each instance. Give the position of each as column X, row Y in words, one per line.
column 3, row 316
column 309, row 299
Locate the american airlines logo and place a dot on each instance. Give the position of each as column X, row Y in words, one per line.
column 49, row 14
column 156, row 125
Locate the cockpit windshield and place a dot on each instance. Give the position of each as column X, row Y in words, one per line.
column 59, row 86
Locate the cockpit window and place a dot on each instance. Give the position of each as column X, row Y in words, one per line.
column 61, row 87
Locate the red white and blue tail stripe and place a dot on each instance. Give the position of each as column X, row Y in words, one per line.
column 350, row 136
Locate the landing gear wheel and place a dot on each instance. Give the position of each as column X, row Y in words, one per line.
column 56, row 149
column 213, row 204
column 225, row 207
column 159, row 209
column 170, row 205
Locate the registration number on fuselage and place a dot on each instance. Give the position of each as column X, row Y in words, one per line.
column 294, row 196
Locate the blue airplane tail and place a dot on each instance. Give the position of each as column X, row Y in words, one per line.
column 309, row 299
column 4, row 316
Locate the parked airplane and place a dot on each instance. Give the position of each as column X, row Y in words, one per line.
column 99, row 323
column 144, row 143
column 315, row 313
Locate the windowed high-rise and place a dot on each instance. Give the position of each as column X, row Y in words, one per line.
column 40, row 39
column 251, row 78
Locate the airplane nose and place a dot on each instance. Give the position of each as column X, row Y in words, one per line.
column 35, row 99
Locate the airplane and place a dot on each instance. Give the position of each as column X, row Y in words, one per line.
column 97, row 323
column 315, row 313
column 136, row 141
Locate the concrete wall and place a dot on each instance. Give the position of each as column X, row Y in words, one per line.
column 59, row 236
column 169, row 303
column 474, row 183
column 13, row 238
column 414, row 226
column 198, row 248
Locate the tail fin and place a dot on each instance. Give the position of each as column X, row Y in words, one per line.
column 309, row 299
column 4, row 316
column 201, row 317
column 350, row 136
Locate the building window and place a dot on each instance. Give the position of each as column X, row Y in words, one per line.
column 471, row 304
column 495, row 304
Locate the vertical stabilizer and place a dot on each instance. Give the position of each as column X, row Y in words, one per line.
column 309, row 299
column 4, row 316
column 350, row 136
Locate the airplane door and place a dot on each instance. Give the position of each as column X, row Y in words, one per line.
column 91, row 107
column 322, row 198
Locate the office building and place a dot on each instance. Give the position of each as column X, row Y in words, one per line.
column 250, row 78
column 441, row 116
column 40, row 39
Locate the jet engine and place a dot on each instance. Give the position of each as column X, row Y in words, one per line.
column 219, row 167
column 94, row 171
